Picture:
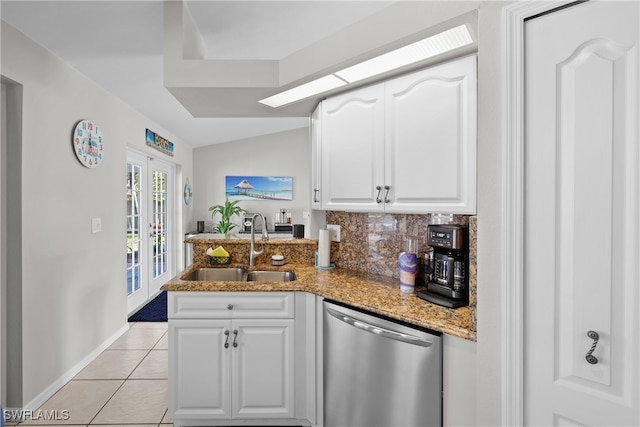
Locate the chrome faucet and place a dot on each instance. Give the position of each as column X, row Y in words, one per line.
column 252, row 249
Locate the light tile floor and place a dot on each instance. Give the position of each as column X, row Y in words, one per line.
column 125, row 385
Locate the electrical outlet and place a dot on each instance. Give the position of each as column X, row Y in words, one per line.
column 334, row 232
column 96, row 225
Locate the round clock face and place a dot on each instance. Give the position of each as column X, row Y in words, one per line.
column 88, row 143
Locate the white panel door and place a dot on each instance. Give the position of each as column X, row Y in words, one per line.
column 430, row 144
column 263, row 368
column 353, row 150
column 582, row 210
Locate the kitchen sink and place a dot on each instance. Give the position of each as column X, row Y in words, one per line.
column 271, row 276
column 238, row 274
column 227, row 274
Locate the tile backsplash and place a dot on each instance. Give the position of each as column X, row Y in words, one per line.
column 371, row 242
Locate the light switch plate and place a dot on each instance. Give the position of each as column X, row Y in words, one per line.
column 96, row 225
column 334, row 232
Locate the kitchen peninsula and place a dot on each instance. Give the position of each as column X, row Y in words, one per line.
column 246, row 350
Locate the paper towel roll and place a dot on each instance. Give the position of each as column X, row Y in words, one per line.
column 324, row 248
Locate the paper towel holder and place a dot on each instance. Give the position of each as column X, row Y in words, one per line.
column 331, row 266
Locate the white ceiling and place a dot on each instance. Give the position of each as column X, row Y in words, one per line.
column 272, row 29
column 120, row 44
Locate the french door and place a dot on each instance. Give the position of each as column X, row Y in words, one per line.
column 149, row 219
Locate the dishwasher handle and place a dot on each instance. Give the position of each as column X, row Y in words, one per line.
column 387, row 333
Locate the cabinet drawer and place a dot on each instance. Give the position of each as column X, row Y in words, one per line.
column 230, row 305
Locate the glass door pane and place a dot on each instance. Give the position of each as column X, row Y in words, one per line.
column 159, row 226
column 133, row 227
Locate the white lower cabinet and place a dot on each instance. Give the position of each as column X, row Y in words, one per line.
column 233, row 369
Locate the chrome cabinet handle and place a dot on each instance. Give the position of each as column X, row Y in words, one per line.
column 595, row 337
column 315, row 195
column 235, row 337
column 378, row 199
column 226, row 341
column 386, row 194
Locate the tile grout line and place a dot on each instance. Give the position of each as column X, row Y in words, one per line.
column 105, row 403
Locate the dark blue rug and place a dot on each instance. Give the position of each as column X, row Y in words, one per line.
column 154, row 311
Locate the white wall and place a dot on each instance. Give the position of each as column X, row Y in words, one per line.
column 280, row 154
column 489, row 351
column 73, row 281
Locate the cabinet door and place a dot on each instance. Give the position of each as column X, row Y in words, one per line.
column 316, row 144
column 199, row 369
column 430, row 142
column 263, row 369
column 353, row 150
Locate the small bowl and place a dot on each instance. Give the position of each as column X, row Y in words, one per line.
column 219, row 260
column 277, row 260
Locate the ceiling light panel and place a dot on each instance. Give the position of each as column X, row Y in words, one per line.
column 418, row 51
column 314, row 87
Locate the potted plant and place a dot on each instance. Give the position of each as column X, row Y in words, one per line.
column 226, row 211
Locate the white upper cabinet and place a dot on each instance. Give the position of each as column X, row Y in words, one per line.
column 407, row 145
column 430, row 139
column 352, row 161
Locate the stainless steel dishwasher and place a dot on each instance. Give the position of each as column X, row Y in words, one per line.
column 379, row 373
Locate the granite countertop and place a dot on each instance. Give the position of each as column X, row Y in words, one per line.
column 378, row 294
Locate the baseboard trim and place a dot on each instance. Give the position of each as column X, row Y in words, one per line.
column 46, row 394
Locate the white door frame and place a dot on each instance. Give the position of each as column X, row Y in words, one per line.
column 513, row 17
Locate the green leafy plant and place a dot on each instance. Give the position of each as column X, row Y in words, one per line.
column 226, row 211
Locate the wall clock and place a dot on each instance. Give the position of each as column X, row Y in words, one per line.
column 88, row 143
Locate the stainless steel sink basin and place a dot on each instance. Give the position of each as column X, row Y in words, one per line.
column 230, row 274
column 238, row 274
column 271, row 276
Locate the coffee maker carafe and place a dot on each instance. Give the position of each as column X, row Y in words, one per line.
column 449, row 285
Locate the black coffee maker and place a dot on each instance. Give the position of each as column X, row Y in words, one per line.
column 449, row 285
